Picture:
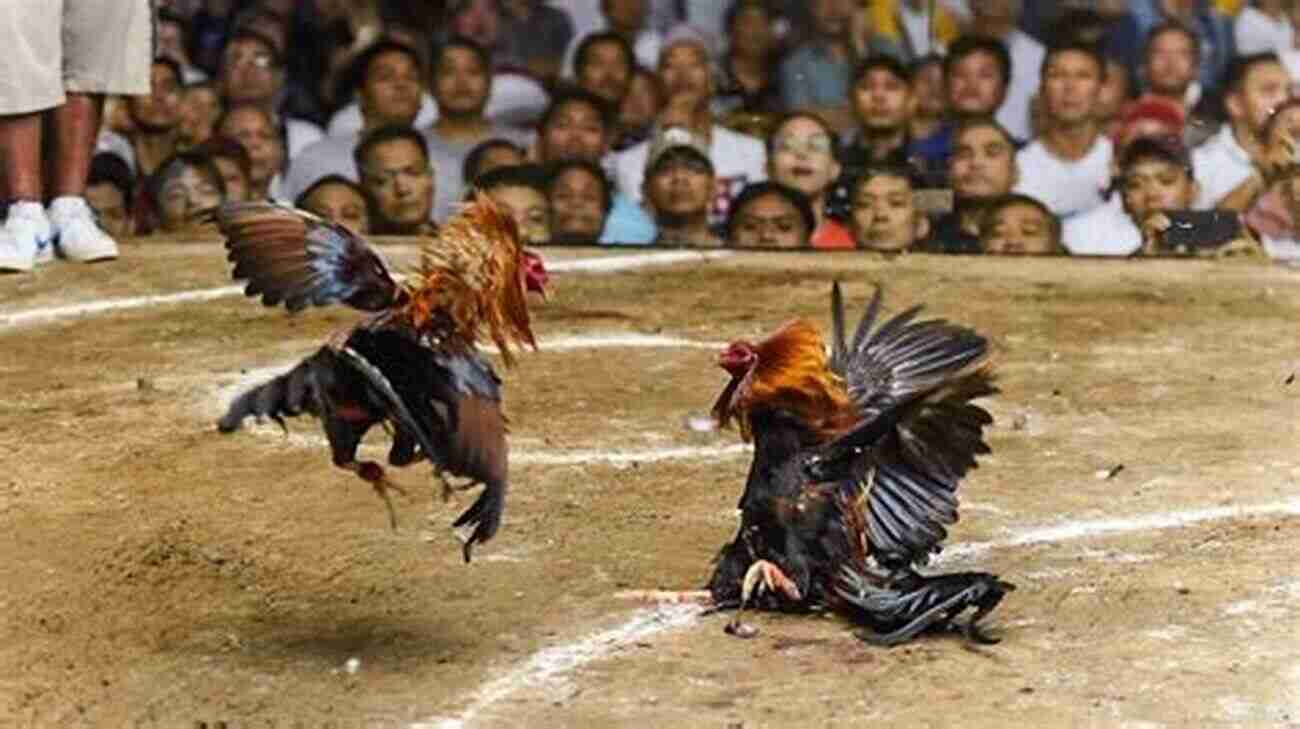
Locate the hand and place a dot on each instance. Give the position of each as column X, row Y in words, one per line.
column 1152, row 229
column 1238, row 248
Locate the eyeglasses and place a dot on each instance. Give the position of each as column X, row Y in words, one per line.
column 256, row 60
column 816, row 144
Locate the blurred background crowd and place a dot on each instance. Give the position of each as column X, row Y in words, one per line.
column 958, row 126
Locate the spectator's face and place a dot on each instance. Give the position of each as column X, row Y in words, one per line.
column 884, row 216
column 576, row 131
column 461, row 83
column 624, row 15
column 769, row 221
column 883, row 101
column 1153, row 185
column 479, row 22
column 989, row 13
column 233, row 178
column 803, row 157
column 751, row 33
column 578, row 205
column 1018, row 229
column 161, row 110
column 1071, row 83
column 928, row 92
column 1282, row 147
column 684, row 71
column 528, row 207
column 976, row 86
column 681, row 187
column 200, row 109
column 340, row 204
column 982, row 165
column 390, row 92
column 248, row 72
column 171, row 41
column 117, row 115
column 496, row 158
column 1265, row 87
column 109, row 205
column 183, row 195
column 830, row 18
column 253, row 129
column 1171, row 63
column 606, row 72
column 398, row 177
column 1113, row 92
column 642, row 103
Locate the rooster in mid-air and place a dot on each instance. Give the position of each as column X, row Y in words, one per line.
column 856, row 465
column 414, row 364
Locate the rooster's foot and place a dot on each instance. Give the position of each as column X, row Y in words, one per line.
column 449, row 488
column 764, row 575
column 374, row 474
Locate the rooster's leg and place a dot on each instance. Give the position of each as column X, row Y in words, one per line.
column 373, row 474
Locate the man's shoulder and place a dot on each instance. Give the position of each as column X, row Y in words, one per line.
column 331, row 145
column 723, row 136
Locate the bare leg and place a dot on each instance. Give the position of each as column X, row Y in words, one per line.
column 74, row 125
column 20, row 137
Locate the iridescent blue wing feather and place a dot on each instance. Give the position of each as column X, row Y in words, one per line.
column 291, row 257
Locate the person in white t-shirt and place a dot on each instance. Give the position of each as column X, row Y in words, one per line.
column 998, row 20
column 1226, row 163
column 1068, row 167
column 1263, row 26
column 388, row 78
column 1155, row 175
column 685, row 70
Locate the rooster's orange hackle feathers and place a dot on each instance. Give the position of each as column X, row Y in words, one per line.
column 792, row 373
column 469, row 274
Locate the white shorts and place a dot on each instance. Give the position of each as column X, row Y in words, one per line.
column 52, row 47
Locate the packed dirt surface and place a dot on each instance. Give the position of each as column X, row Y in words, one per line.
column 1142, row 494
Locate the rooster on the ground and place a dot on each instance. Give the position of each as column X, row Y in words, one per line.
column 414, row 365
column 856, row 465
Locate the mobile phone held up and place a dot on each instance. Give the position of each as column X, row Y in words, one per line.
column 1194, row 230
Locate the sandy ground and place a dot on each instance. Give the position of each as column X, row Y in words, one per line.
column 159, row 574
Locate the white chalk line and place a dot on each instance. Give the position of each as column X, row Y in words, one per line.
column 604, row 264
column 553, row 664
column 1075, row 530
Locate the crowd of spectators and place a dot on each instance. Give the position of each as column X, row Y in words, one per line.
column 949, row 126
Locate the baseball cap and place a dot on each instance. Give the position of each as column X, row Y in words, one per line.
column 676, row 143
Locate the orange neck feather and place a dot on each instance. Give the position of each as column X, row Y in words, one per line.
column 469, row 279
column 792, row 373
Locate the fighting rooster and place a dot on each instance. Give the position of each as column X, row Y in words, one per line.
column 414, row 364
column 856, row 465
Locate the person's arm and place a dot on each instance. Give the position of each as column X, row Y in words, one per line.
column 1243, row 195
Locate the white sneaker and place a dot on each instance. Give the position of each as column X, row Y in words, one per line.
column 76, row 233
column 26, row 238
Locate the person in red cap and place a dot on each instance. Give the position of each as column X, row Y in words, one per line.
column 1148, row 116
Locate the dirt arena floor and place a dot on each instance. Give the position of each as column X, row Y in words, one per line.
column 1143, row 494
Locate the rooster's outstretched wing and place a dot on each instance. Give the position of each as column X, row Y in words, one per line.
column 912, row 382
column 292, row 257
